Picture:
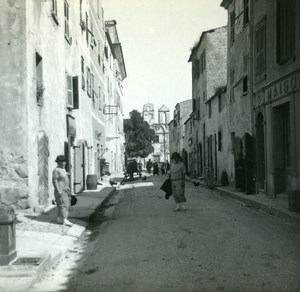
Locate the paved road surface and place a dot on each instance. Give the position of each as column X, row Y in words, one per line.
column 216, row 245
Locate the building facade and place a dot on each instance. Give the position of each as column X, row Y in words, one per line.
column 54, row 67
column 239, row 96
column 209, row 79
column 181, row 114
column 276, row 94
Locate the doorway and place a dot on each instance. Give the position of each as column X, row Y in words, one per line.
column 260, row 152
column 281, row 146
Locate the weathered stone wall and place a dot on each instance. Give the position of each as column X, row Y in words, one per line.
column 216, row 60
column 13, row 110
column 14, row 180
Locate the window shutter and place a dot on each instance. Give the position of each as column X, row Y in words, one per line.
column 285, row 30
column 260, row 48
column 88, row 76
column 69, row 91
column 75, row 92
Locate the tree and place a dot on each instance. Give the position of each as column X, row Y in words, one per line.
column 138, row 136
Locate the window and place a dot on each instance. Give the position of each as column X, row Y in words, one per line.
column 92, row 88
column 194, row 104
column 103, row 24
column 245, row 77
column 245, row 64
column 219, row 140
column 231, row 80
column 54, row 11
column 91, row 30
column 156, row 140
column 232, row 142
column 75, row 92
column 39, row 79
column 209, row 109
column 285, row 30
column 195, row 65
column 220, row 102
column 87, row 27
column 69, row 91
column 260, row 49
column 66, row 13
column 232, row 25
column 204, row 96
column 246, row 12
column 245, row 85
column 98, row 9
column 82, row 74
column 80, row 11
column 202, row 61
column 99, row 56
column 100, row 98
column 88, row 81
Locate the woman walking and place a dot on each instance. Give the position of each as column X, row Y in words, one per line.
column 177, row 176
column 62, row 191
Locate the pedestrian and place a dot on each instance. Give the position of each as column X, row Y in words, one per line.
column 167, row 166
column 62, row 190
column 155, row 168
column 149, row 166
column 140, row 166
column 163, row 168
column 177, row 176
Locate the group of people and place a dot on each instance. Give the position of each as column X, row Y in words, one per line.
column 164, row 167
column 62, row 192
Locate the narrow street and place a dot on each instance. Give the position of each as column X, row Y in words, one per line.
column 216, row 245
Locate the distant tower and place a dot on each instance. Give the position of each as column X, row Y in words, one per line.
column 148, row 113
column 163, row 115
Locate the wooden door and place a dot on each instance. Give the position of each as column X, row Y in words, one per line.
column 43, row 168
column 79, row 168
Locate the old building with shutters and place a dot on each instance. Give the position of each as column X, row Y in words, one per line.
column 263, row 86
column 181, row 114
column 113, row 108
column 276, row 95
column 207, row 151
column 239, row 88
column 54, row 57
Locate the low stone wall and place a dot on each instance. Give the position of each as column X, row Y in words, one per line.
column 14, row 190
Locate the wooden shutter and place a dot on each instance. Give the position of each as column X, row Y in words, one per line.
column 78, row 168
column 260, row 48
column 88, row 81
column 285, row 30
column 69, row 91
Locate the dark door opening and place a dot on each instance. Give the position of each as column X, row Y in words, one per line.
column 281, row 146
column 260, row 152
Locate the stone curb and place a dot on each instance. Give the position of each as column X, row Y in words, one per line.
column 102, row 204
column 259, row 206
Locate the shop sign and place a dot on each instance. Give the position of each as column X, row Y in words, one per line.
column 283, row 87
column 278, row 89
column 98, row 135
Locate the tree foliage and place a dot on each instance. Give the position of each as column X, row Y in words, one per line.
column 138, row 136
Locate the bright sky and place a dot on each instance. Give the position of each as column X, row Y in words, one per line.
column 156, row 38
